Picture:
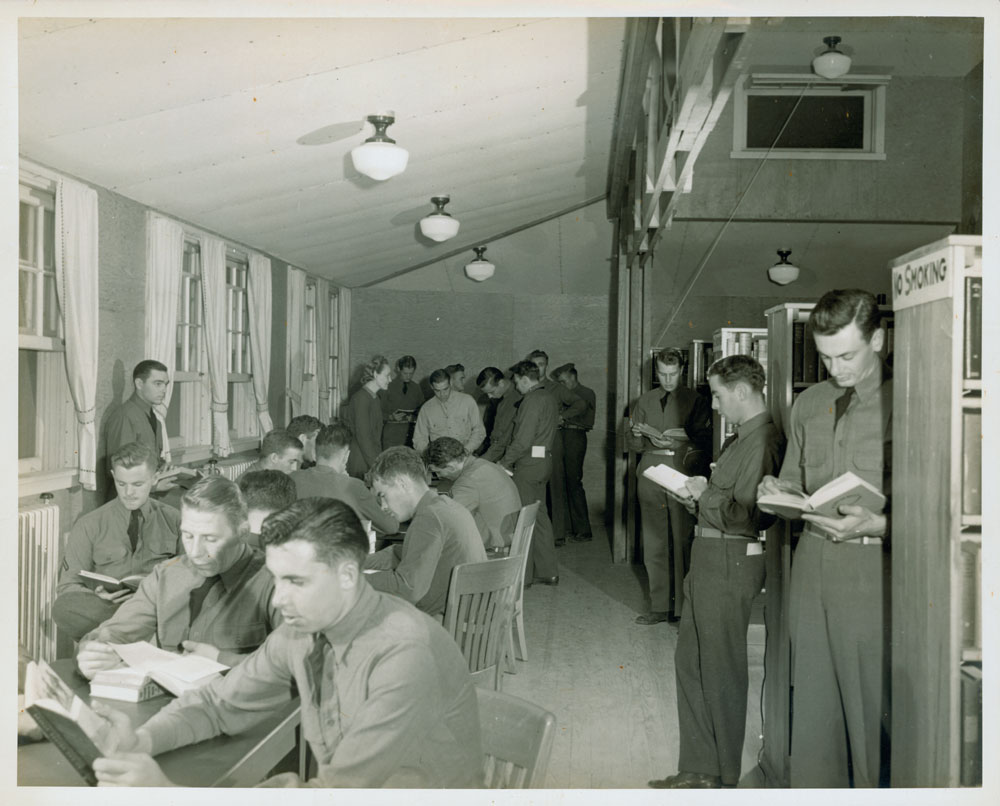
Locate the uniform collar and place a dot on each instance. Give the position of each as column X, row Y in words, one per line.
column 342, row 634
column 751, row 425
column 869, row 387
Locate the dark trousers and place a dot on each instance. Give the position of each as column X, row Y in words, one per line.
column 76, row 613
column 570, row 514
column 530, row 476
column 839, row 645
column 394, row 434
column 711, row 658
column 667, row 532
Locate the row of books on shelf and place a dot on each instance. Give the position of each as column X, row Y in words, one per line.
column 971, row 752
column 972, row 595
column 972, row 462
column 743, row 342
column 973, row 354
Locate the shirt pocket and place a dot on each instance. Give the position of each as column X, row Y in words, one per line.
column 109, row 553
column 246, row 637
column 817, row 453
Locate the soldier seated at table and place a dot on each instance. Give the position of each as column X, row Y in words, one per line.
column 214, row 600
column 265, row 491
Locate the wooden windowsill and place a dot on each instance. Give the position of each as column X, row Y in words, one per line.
column 45, row 481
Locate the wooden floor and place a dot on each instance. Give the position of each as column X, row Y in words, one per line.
column 609, row 681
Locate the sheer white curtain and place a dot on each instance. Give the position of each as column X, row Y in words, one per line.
column 164, row 263
column 344, row 341
column 213, row 266
column 323, row 381
column 296, row 346
column 76, row 288
column 259, row 296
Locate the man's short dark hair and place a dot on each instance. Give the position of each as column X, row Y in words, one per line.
column 451, row 369
column 398, row 461
column 444, row 450
column 838, row 308
column 303, row 424
column 220, row 495
column 146, row 368
column 134, row 454
column 331, row 526
column 267, row 490
column 735, row 369
column 278, row 441
column 489, row 375
column 406, row 362
column 564, row 369
column 526, row 369
column 669, row 357
column 333, row 438
column 538, row 354
column 439, row 376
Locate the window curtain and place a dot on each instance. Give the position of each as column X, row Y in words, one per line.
column 323, row 381
column 213, row 263
column 76, row 288
column 259, row 298
column 343, row 342
column 293, row 333
column 164, row 262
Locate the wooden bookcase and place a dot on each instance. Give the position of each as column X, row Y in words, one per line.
column 728, row 341
column 936, row 519
column 787, row 340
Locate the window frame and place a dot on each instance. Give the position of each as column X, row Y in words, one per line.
column 244, row 426
column 870, row 88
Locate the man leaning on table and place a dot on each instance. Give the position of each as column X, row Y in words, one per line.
column 839, row 627
column 214, row 600
column 387, row 700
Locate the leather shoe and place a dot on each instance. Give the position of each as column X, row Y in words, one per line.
column 582, row 538
column 688, row 780
column 559, row 542
column 652, row 617
column 547, row 580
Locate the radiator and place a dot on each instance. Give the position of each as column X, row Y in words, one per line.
column 38, row 573
column 234, row 470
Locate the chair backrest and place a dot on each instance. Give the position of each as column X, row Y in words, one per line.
column 479, row 612
column 520, row 545
column 517, row 740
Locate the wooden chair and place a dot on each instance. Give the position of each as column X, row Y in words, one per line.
column 479, row 612
column 517, row 740
column 520, row 546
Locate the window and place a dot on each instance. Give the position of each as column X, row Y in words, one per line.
column 309, row 332
column 189, row 423
column 809, row 118
column 242, row 403
column 46, row 419
column 334, row 357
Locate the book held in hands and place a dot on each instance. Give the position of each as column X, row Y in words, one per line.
column 669, row 479
column 110, row 584
column 845, row 490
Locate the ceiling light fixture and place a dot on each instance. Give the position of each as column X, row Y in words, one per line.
column 439, row 225
column 783, row 272
column 831, row 63
column 479, row 269
column 379, row 157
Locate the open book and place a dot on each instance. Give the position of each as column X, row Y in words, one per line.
column 176, row 673
column 669, row 479
column 847, row 489
column 68, row 722
column 93, row 579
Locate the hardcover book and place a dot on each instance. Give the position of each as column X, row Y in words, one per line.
column 844, row 490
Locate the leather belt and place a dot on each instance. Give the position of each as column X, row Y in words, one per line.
column 661, row 451
column 863, row 540
column 708, row 531
column 572, row 427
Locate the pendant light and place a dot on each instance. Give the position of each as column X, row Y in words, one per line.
column 783, row 272
column 439, row 225
column 479, row 269
column 379, row 157
column 831, row 63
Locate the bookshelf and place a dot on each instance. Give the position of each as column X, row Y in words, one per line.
column 792, row 359
column 699, row 360
column 728, row 341
column 937, row 515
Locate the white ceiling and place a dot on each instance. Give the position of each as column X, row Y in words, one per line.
column 201, row 118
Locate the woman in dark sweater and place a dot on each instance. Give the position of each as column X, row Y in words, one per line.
column 364, row 416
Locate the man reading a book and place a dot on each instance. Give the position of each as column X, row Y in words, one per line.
column 387, row 699
column 837, row 582
column 214, row 600
column 727, row 572
column 667, row 528
column 127, row 536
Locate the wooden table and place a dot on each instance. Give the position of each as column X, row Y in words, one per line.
column 233, row 761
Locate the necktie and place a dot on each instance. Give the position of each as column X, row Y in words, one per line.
column 406, row 386
column 152, row 422
column 663, row 401
column 729, row 441
column 134, row 525
column 314, row 666
column 198, row 597
column 840, row 408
